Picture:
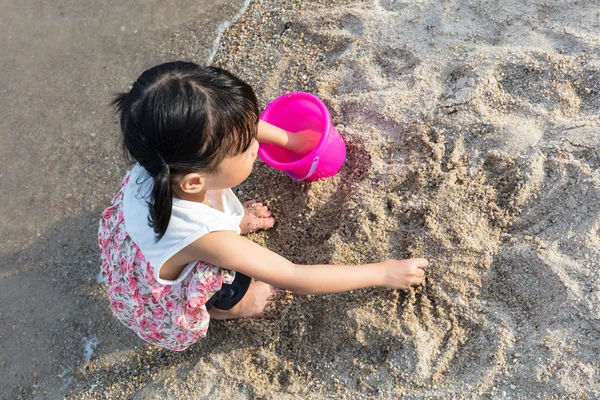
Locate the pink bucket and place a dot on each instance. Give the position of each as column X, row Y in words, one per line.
column 296, row 112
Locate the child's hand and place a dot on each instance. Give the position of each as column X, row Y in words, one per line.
column 402, row 274
column 302, row 142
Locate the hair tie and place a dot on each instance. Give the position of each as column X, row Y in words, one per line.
column 164, row 165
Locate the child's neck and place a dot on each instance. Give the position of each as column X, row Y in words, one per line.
column 199, row 197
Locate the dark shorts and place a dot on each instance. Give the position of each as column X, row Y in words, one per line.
column 230, row 294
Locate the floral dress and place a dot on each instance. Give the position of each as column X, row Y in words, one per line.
column 171, row 316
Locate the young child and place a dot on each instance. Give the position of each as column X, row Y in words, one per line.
column 170, row 243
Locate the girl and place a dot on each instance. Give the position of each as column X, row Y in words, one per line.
column 170, row 243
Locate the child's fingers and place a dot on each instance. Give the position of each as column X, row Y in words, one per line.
column 417, row 282
column 267, row 223
column 260, row 223
column 262, row 211
column 421, row 262
column 256, row 205
column 257, row 208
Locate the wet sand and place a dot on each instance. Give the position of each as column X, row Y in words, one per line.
column 472, row 135
column 61, row 162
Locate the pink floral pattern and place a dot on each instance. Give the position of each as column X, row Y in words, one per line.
column 170, row 316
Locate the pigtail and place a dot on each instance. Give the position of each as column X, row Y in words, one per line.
column 161, row 203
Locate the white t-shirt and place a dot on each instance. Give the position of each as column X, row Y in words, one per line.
column 189, row 221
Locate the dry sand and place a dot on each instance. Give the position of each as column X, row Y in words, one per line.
column 473, row 140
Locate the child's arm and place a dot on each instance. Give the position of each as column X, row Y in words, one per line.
column 270, row 134
column 299, row 142
column 231, row 251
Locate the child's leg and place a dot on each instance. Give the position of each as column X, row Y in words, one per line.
column 230, row 293
column 251, row 304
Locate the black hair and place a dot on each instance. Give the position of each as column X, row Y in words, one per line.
column 183, row 117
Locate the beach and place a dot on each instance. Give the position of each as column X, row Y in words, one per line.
column 473, row 140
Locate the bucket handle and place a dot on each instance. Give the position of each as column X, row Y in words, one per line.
column 313, row 167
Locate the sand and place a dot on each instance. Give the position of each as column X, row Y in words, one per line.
column 473, row 140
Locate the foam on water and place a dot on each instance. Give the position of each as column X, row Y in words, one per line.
column 90, row 345
column 222, row 27
column 99, row 277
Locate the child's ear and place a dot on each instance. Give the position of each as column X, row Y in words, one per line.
column 192, row 182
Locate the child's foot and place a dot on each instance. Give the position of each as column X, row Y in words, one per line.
column 258, row 297
column 256, row 216
column 253, row 304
